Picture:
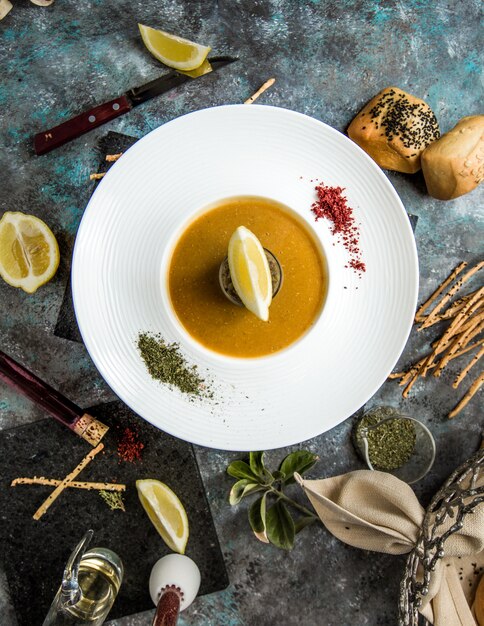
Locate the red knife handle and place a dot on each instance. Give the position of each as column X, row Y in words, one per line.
column 83, row 123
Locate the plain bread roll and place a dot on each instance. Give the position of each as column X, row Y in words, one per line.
column 454, row 165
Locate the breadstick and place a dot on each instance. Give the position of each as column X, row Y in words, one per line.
column 460, row 318
column 75, row 485
column 113, row 157
column 410, row 373
column 68, row 479
column 460, row 343
column 420, row 366
column 467, row 369
column 452, row 291
column 260, row 91
column 97, row 176
column 468, row 349
column 419, row 315
column 473, row 389
column 448, row 313
column 477, row 317
column 406, row 375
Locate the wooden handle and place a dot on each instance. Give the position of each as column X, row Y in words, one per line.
column 21, row 379
column 83, row 123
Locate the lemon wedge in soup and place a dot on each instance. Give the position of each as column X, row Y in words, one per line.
column 250, row 273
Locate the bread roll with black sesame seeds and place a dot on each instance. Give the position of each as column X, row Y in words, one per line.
column 394, row 128
column 454, row 165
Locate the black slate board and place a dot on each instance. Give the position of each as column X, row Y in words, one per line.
column 34, row 553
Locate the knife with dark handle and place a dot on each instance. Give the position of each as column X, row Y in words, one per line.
column 75, row 127
column 76, row 419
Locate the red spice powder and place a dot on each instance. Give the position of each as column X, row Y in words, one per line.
column 129, row 446
column 333, row 205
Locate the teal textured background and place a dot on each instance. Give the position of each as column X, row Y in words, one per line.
column 329, row 59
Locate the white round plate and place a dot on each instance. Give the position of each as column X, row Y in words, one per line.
column 132, row 223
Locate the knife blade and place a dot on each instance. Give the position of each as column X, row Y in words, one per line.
column 75, row 127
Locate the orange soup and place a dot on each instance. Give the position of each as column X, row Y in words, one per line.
column 198, row 300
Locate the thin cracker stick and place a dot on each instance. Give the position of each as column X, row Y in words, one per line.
column 438, row 291
column 406, row 375
column 411, row 372
column 407, row 389
column 479, row 317
column 260, row 91
column 473, row 389
column 451, row 293
column 461, row 342
column 453, row 309
column 468, row 368
column 53, row 482
column 110, row 158
column 451, row 331
column 467, row 310
column 69, row 478
column 468, row 349
column 97, row 176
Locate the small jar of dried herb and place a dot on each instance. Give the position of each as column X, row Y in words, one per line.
column 391, row 442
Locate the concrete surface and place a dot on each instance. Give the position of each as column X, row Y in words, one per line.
column 328, row 59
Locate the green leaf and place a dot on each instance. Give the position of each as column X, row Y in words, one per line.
column 257, row 518
column 277, row 475
column 257, row 514
column 302, row 522
column 241, row 489
column 240, row 469
column 280, row 526
column 300, row 461
column 256, row 462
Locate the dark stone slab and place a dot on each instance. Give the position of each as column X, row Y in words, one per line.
column 34, row 553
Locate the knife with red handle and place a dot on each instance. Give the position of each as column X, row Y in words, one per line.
column 75, row 127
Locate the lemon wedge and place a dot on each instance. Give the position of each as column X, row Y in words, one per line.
column 29, row 254
column 250, row 273
column 165, row 511
column 181, row 54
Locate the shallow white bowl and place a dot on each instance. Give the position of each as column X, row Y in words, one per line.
column 129, row 229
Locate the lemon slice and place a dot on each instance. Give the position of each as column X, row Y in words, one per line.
column 165, row 511
column 29, row 254
column 250, row 273
column 173, row 51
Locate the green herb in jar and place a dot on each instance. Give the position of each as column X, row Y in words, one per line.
column 166, row 363
column 390, row 443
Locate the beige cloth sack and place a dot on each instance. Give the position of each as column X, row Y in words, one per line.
column 377, row 511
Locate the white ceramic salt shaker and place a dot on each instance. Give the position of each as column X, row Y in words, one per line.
column 174, row 584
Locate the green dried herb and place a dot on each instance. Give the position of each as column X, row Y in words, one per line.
column 392, row 443
column 166, row 363
column 113, row 499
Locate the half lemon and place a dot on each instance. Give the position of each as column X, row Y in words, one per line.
column 250, row 273
column 166, row 512
column 176, row 52
column 29, row 254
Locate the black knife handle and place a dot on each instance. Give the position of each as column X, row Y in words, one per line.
column 83, row 123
